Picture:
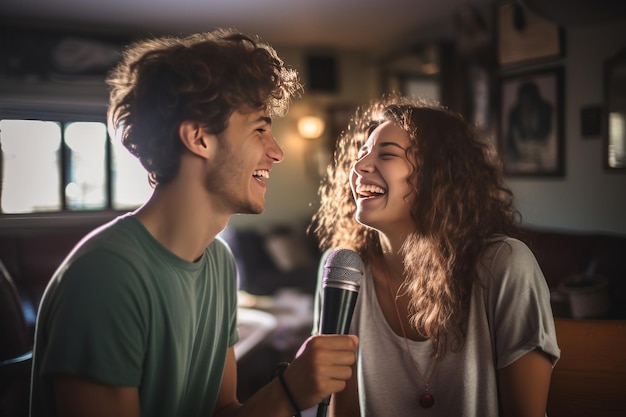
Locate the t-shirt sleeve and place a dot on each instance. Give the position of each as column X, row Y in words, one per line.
column 518, row 303
column 227, row 260
column 234, row 330
column 96, row 322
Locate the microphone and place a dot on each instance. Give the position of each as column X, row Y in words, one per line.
column 343, row 270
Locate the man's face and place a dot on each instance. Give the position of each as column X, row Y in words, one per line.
column 246, row 151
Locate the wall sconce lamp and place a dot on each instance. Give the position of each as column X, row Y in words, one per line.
column 311, row 127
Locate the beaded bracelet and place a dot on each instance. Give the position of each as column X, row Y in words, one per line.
column 279, row 371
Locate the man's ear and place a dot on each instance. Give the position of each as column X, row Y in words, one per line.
column 194, row 138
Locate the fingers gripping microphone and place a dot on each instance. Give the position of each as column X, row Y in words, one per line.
column 341, row 282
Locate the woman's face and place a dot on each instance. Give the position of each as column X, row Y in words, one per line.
column 379, row 181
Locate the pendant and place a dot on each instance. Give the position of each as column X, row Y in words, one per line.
column 427, row 400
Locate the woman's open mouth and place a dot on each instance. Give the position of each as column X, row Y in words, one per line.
column 369, row 191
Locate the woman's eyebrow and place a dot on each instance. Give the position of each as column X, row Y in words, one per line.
column 384, row 144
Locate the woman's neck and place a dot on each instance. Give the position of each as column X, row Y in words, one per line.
column 389, row 280
column 392, row 262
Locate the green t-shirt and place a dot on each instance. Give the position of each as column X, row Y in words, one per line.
column 125, row 311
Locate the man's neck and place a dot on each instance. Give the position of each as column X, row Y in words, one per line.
column 180, row 222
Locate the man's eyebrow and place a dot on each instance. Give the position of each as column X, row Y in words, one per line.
column 265, row 119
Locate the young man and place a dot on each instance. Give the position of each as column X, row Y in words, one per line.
column 140, row 319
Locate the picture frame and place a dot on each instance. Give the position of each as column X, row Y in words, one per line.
column 524, row 37
column 530, row 137
column 614, row 117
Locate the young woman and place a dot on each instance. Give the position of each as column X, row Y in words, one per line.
column 453, row 314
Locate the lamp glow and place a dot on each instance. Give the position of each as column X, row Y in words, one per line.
column 310, row 127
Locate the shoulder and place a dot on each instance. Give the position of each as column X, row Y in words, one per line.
column 98, row 274
column 508, row 261
column 219, row 245
column 505, row 251
column 110, row 244
column 108, row 257
column 120, row 235
column 219, row 251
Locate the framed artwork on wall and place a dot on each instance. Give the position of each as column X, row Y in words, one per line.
column 525, row 37
column 530, row 137
column 614, row 138
column 59, row 55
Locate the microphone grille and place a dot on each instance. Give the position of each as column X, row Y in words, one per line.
column 344, row 265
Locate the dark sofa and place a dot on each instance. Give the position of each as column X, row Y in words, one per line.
column 562, row 254
column 273, row 258
column 268, row 259
column 32, row 257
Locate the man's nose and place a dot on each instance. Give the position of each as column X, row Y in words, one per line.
column 274, row 151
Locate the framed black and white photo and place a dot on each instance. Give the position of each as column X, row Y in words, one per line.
column 614, row 138
column 530, row 135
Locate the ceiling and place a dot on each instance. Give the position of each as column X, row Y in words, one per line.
column 352, row 24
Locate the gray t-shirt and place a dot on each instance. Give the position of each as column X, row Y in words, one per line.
column 125, row 311
column 509, row 316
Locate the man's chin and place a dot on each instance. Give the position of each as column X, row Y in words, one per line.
column 252, row 209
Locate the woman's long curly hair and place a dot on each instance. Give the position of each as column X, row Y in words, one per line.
column 163, row 82
column 460, row 203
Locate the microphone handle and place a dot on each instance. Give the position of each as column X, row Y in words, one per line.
column 322, row 408
column 337, row 308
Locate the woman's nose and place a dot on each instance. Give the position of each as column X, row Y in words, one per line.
column 363, row 164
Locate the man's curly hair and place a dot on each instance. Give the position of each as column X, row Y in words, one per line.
column 459, row 203
column 163, row 82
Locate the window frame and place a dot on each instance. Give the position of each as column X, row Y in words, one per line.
column 65, row 112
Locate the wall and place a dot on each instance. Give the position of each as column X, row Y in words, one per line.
column 588, row 198
column 292, row 193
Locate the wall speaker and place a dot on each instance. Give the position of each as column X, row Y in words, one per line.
column 322, row 72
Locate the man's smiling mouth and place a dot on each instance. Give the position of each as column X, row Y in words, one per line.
column 261, row 173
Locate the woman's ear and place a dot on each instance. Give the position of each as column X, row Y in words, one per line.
column 194, row 138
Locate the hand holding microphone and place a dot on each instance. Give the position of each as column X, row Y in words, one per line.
column 324, row 362
column 342, row 280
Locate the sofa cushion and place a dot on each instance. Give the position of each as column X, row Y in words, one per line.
column 560, row 254
column 608, row 258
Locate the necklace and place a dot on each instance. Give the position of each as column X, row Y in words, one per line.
column 426, row 400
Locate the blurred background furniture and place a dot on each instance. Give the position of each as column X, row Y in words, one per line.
column 590, row 377
column 271, row 259
column 269, row 342
column 15, row 351
column 562, row 254
column 254, row 327
column 31, row 257
column 277, row 269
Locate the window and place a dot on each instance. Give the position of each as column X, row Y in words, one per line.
column 51, row 166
